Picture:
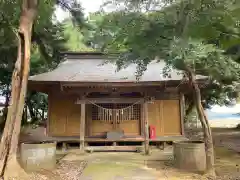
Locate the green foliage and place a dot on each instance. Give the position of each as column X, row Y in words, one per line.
column 196, row 34
column 75, row 38
column 205, row 59
column 48, row 41
column 75, row 9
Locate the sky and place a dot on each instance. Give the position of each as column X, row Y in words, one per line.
column 223, row 109
column 88, row 5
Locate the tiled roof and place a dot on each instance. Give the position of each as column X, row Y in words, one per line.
column 95, row 70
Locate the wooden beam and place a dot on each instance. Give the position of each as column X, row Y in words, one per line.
column 89, row 119
column 133, row 139
column 110, row 100
column 182, row 111
column 146, row 134
column 165, row 96
column 172, row 83
column 113, row 148
column 82, row 126
column 111, row 84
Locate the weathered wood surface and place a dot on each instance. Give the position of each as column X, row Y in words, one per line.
column 110, row 100
column 168, row 139
column 63, row 122
column 113, row 148
column 182, row 111
column 82, row 126
column 165, row 116
column 146, row 125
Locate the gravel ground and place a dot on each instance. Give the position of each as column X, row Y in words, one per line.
column 66, row 170
column 228, row 162
column 85, row 167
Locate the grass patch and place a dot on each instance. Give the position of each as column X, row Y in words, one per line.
column 108, row 169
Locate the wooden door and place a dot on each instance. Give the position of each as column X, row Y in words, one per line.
column 165, row 116
column 73, row 120
column 171, row 117
column 57, row 116
column 101, row 122
column 113, row 120
column 130, row 123
column 155, row 116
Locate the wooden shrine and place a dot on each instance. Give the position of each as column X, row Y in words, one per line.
column 87, row 99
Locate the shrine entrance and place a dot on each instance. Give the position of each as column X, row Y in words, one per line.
column 122, row 117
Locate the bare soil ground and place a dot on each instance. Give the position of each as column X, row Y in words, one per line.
column 135, row 166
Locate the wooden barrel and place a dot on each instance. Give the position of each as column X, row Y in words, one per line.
column 38, row 156
column 190, row 155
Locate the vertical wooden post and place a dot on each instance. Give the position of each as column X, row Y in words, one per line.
column 182, row 111
column 82, row 126
column 64, row 146
column 146, row 134
column 142, row 128
column 89, row 119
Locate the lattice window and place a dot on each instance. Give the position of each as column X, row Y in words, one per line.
column 116, row 112
column 102, row 112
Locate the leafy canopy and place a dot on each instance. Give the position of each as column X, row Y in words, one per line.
column 197, row 34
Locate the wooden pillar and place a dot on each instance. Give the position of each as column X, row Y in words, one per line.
column 64, row 146
column 142, row 121
column 182, row 111
column 82, row 126
column 146, row 134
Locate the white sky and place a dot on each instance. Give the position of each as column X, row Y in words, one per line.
column 233, row 110
column 88, row 5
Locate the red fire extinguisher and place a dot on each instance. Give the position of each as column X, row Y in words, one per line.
column 152, row 132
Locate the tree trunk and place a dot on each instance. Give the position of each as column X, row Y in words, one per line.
column 9, row 141
column 8, row 129
column 24, row 116
column 5, row 111
column 190, row 108
column 238, row 97
column 204, row 121
column 32, row 113
column 188, row 111
column 43, row 114
column 31, row 110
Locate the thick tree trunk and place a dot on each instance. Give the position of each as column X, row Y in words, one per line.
column 9, row 141
column 205, row 124
column 9, row 125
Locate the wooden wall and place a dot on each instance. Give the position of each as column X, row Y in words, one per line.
column 64, row 118
column 166, row 117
